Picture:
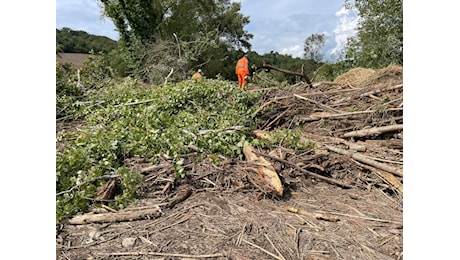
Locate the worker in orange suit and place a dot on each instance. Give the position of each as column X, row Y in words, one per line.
column 242, row 70
column 198, row 75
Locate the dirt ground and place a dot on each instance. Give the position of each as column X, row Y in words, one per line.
column 342, row 199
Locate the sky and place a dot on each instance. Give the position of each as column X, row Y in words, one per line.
column 279, row 26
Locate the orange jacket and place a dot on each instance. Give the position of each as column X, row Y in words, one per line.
column 242, row 66
column 197, row 76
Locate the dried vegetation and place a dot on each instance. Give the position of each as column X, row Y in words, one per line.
column 342, row 199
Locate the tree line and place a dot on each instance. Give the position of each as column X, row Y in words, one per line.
column 78, row 41
column 178, row 37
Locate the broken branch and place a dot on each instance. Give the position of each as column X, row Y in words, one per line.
column 119, row 216
column 363, row 159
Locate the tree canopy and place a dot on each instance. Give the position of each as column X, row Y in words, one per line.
column 190, row 34
column 379, row 39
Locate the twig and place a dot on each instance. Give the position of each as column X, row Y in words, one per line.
column 314, row 215
column 167, row 77
column 318, row 104
column 362, row 217
column 161, row 254
column 85, row 182
column 278, row 117
column 173, row 224
column 136, row 103
column 256, row 246
column 267, row 103
column 282, row 257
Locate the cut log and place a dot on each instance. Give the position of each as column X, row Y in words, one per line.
column 265, row 170
column 374, row 131
column 119, row 216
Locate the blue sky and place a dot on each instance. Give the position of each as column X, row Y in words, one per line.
column 280, row 26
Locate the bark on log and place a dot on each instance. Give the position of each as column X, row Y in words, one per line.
column 363, row 159
column 374, row 131
column 119, row 216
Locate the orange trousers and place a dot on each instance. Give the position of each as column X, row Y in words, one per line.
column 242, row 81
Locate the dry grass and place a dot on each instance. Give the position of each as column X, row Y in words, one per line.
column 76, row 59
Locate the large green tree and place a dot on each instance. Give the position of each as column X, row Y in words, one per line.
column 379, row 38
column 190, row 30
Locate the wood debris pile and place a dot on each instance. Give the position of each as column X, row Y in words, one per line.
column 356, row 122
column 342, row 199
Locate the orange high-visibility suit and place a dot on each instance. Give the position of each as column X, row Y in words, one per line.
column 197, row 75
column 242, row 70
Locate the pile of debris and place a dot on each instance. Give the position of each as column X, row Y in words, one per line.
column 342, row 199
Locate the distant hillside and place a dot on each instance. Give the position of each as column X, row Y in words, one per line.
column 71, row 41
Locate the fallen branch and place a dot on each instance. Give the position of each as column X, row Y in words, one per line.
column 363, row 159
column 323, row 115
column 184, row 194
column 374, row 131
column 387, row 177
column 301, row 74
column 119, row 216
column 375, row 91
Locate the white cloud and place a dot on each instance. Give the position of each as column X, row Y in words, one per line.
column 295, row 51
column 345, row 28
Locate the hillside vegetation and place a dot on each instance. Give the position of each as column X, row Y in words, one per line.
column 73, row 41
